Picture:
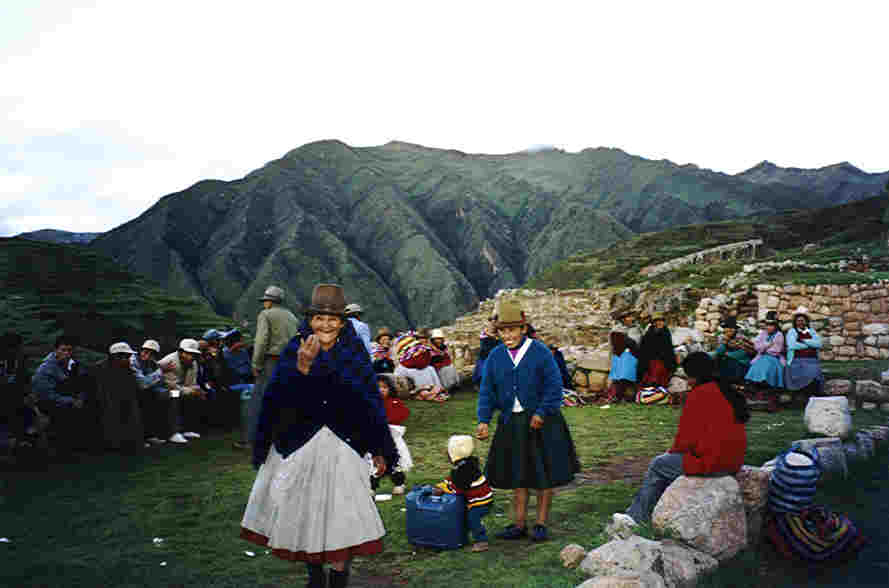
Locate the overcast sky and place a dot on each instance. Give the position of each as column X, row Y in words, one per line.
column 108, row 106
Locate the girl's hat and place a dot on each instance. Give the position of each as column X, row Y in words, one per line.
column 383, row 332
column 460, row 446
column 509, row 314
column 772, row 317
column 801, row 311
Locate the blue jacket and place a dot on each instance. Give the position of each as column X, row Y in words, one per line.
column 536, row 381
column 794, row 344
column 363, row 332
column 239, row 364
column 49, row 381
column 339, row 392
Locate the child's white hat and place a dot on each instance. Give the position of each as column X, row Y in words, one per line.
column 460, row 446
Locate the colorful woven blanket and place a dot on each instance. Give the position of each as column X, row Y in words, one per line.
column 815, row 534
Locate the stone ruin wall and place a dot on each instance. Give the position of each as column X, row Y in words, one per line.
column 853, row 320
column 714, row 254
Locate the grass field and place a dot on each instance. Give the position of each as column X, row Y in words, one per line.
column 93, row 522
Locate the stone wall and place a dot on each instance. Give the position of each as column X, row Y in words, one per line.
column 714, row 254
column 853, row 320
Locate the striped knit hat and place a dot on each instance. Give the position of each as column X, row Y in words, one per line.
column 792, row 483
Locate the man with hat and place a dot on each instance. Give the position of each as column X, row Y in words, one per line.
column 734, row 352
column 353, row 313
column 181, row 378
column 158, row 409
column 117, row 396
column 275, row 327
column 532, row 447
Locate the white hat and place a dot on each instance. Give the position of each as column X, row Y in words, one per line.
column 437, row 334
column 801, row 310
column 274, row 294
column 152, row 344
column 190, row 346
column 353, row 308
column 120, row 348
column 460, row 446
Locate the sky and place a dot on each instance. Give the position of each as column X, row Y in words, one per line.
column 109, row 106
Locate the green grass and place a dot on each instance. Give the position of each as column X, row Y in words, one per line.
column 92, row 523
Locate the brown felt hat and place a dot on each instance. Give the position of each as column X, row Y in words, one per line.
column 382, row 332
column 509, row 314
column 328, row 299
column 423, row 333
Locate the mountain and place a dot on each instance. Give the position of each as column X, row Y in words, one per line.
column 56, row 236
column 417, row 235
column 839, row 183
column 50, row 288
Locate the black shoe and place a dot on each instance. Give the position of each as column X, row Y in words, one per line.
column 317, row 577
column 512, row 532
column 539, row 533
column 339, row 579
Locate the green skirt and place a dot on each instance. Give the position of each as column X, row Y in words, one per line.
column 523, row 458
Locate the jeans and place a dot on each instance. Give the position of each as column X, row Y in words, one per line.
column 662, row 471
column 474, row 518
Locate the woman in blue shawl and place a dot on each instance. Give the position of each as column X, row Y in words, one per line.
column 321, row 414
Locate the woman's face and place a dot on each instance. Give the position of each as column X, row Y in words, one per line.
column 383, row 387
column 730, row 332
column 800, row 322
column 327, row 328
column 512, row 336
column 770, row 329
column 628, row 320
column 659, row 324
column 385, row 340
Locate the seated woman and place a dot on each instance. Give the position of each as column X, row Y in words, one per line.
column 656, row 358
column 766, row 371
column 441, row 360
column 623, row 365
column 412, row 360
column 379, row 352
column 803, row 366
column 733, row 354
column 711, row 438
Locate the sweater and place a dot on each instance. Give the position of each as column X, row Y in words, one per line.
column 709, row 437
column 467, row 479
column 339, row 392
column 396, row 411
column 533, row 378
column 795, row 343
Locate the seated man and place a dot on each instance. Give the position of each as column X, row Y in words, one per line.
column 117, row 397
column 237, row 357
column 159, row 410
column 63, row 391
column 180, row 370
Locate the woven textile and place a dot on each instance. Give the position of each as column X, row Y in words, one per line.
column 815, row 534
column 653, row 395
column 792, row 487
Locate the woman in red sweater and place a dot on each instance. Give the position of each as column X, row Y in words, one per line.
column 711, row 439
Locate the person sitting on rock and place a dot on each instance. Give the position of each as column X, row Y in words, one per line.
column 117, row 396
column 623, row 365
column 766, row 372
column 180, row 376
column 158, row 409
column 441, row 360
column 657, row 361
column 711, row 439
column 733, row 354
column 412, row 358
column 379, row 352
column 803, row 366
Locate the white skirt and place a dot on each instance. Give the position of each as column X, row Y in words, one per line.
column 405, row 462
column 315, row 505
column 448, row 376
column 424, row 378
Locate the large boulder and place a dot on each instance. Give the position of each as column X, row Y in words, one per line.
column 705, row 513
column 754, row 485
column 870, row 390
column 677, row 565
column 644, row 580
column 831, row 456
column 837, row 387
column 828, row 416
column 880, row 434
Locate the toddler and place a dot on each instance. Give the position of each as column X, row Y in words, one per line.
column 396, row 413
column 467, row 479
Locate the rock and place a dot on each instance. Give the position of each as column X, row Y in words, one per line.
column 865, row 444
column 829, row 416
column 837, row 387
column 871, row 390
column 673, row 563
column 705, row 513
column 879, row 433
column 647, row 580
column 754, row 485
column 620, row 527
column 875, row 328
column 868, row 405
column 831, row 455
column 571, row 555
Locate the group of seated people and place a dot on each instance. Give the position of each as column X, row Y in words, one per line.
column 129, row 400
column 420, row 356
column 760, row 368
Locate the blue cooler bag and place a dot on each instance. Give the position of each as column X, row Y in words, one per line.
column 436, row 521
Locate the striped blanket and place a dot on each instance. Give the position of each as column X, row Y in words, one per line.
column 815, row 534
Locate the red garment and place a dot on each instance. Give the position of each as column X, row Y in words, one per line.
column 710, row 438
column 440, row 357
column 808, row 351
column 656, row 375
column 396, row 411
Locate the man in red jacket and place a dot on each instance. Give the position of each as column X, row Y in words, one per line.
column 711, row 439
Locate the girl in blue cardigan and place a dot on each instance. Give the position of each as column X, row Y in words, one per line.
column 532, row 447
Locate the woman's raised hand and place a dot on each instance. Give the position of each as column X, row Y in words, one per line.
column 308, row 351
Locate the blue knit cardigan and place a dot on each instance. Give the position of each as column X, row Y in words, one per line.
column 536, row 381
column 340, row 392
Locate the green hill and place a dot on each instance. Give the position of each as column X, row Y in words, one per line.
column 51, row 288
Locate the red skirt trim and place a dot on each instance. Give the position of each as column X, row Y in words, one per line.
column 345, row 554
column 656, row 374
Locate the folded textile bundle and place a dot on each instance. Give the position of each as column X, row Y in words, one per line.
column 653, row 395
column 815, row 534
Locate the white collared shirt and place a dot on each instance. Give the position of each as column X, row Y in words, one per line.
column 517, row 406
